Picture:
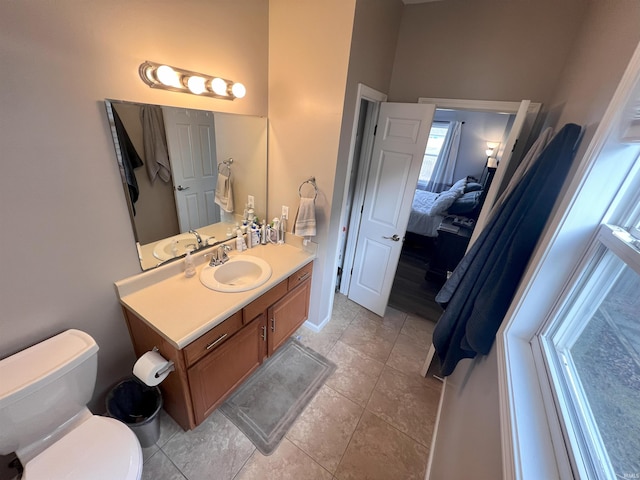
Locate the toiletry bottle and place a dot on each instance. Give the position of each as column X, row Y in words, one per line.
column 240, row 245
column 250, row 243
column 255, row 235
column 275, row 230
column 189, row 265
column 263, row 233
column 281, row 228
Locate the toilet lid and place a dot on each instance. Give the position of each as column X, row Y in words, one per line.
column 100, row 448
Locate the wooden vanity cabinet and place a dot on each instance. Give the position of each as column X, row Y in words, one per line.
column 225, row 368
column 286, row 307
column 211, row 367
column 286, row 315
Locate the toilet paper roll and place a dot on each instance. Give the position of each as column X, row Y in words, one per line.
column 149, row 366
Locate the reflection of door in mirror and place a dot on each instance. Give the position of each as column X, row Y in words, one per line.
column 192, row 148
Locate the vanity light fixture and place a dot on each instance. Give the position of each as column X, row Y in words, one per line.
column 158, row 75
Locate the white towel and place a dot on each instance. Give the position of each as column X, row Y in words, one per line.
column 224, row 193
column 305, row 224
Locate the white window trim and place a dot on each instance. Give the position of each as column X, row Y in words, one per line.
column 532, row 442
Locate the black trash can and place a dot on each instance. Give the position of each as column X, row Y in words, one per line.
column 138, row 406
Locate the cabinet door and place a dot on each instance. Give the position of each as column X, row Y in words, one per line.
column 224, row 368
column 286, row 315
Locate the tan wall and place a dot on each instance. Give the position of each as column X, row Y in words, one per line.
column 468, row 435
column 484, row 50
column 308, row 57
column 608, row 37
column 66, row 235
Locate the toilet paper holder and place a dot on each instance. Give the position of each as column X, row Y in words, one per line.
column 170, row 367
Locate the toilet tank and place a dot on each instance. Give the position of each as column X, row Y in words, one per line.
column 43, row 387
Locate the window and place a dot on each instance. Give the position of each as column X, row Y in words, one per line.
column 593, row 349
column 437, row 135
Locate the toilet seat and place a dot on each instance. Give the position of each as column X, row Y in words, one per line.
column 100, row 448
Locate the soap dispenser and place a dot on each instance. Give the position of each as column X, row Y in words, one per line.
column 189, row 265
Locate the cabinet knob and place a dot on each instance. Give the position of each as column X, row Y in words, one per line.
column 264, row 333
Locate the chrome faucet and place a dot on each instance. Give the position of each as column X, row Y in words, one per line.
column 219, row 255
column 198, row 237
column 222, row 253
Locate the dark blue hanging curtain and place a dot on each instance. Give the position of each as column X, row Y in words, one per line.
column 477, row 295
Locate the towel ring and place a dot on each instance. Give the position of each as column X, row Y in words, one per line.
column 312, row 182
column 226, row 163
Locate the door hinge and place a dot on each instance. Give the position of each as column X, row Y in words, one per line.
column 375, row 130
column 514, row 145
column 362, row 209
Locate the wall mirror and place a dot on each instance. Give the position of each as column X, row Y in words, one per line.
column 184, row 171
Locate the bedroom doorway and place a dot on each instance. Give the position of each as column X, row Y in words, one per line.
column 351, row 218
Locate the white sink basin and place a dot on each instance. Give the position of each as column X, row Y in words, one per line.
column 239, row 274
column 164, row 249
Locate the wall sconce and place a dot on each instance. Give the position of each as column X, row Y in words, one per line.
column 157, row 75
column 492, row 161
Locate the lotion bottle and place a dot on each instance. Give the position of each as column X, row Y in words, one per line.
column 240, row 245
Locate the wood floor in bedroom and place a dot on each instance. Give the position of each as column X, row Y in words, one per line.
column 414, row 289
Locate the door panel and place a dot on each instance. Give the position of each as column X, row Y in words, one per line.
column 403, row 131
column 191, row 143
column 389, row 185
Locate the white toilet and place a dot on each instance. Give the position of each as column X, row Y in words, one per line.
column 44, row 390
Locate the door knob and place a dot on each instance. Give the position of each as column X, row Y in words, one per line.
column 395, row 238
column 181, row 188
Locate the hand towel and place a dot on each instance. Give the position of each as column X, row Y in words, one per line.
column 224, row 193
column 305, row 224
column 154, row 138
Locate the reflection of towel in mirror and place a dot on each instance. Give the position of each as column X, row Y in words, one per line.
column 154, row 137
column 224, row 194
column 128, row 159
column 305, row 224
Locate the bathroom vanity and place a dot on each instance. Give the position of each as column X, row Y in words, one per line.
column 216, row 340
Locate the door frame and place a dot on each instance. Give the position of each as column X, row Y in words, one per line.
column 375, row 97
column 371, row 95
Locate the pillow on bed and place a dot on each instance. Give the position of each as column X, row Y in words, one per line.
column 472, row 187
column 443, row 201
column 462, row 183
column 466, row 203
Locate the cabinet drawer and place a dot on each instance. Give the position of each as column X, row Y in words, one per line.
column 260, row 304
column 300, row 276
column 214, row 337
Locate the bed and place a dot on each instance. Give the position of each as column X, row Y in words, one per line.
column 463, row 198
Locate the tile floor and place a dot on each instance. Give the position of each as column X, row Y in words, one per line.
column 373, row 418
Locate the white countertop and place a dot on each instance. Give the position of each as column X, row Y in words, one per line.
column 182, row 309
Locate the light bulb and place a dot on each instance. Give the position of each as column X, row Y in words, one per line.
column 196, row 84
column 489, row 152
column 238, row 90
column 168, row 76
column 492, row 145
column 219, row 86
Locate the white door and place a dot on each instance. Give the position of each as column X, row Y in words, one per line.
column 504, row 157
column 401, row 139
column 192, row 149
